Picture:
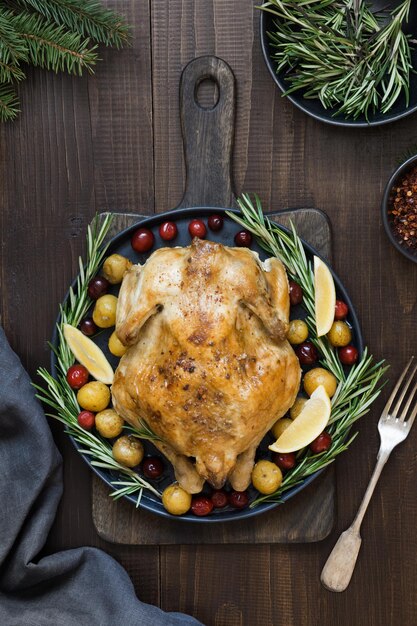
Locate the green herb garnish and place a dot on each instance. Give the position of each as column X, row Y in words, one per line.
column 356, row 389
column 57, row 393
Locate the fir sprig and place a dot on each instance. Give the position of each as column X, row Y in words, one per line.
column 87, row 17
column 58, row 395
column 356, row 390
column 342, row 53
column 58, row 35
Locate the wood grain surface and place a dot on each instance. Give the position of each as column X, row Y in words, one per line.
column 307, row 517
column 112, row 141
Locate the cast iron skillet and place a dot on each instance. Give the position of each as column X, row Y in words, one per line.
column 314, row 108
column 204, row 131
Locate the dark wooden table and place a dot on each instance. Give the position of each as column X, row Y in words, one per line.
column 112, row 142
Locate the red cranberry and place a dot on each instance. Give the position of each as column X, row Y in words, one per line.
column 153, row 467
column 321, row 443
column 142, row 240
column 341, row 310
column 238, row 499
column 219, row 498
column 243, row 239
column 97, row 287
column 284, row 460
column 87, row 327
column 201, row 505
column 348, row 355
column 168, row 231
column 307, row 353
column 296, row 293
column 215, row 222
column 197, row 228
column 86, row 419
column 77, row 376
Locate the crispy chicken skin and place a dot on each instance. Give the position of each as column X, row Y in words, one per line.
column 208, row 367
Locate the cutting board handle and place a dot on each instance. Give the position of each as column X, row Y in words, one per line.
column 207, row 135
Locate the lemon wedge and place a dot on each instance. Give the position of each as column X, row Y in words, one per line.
column 309, row 424
column 88, row 354
column 325, row 297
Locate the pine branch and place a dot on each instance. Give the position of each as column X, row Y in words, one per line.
column 52, row 47
column 9, row 103
column 86, row 17
column 12, row 48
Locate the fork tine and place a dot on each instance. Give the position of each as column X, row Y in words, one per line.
column 397, row 386
column 396, row 409
column 407, row 406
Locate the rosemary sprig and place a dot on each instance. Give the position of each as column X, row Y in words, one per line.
column 356, row 390
column 59, row 396
column 350, row 58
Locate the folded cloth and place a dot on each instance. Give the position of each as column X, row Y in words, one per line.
column 76, row 587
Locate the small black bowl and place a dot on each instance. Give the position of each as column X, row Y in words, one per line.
column 397, row 175
column 314, row 108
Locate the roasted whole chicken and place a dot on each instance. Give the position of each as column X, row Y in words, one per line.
column 208, row 367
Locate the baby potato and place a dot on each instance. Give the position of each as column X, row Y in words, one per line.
column 319, row 376
column 115, row 267
column 116, row 347
column 298, row 332
column 297, row 407
column 109, row 423
column 266, row 477
column 94, row 396
column 279, row 426
column 176, row 500
column 340, row 334
column 128, row 451
column 104, row 313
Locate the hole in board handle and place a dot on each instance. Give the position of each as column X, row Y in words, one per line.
column 206, row 93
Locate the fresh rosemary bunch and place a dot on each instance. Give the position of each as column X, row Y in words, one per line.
column 58, row 395
column 356, row 390
column 352, row 59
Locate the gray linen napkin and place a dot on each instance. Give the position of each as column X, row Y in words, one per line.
column 76, row 587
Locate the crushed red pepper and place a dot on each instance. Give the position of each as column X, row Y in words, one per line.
column 403, row 210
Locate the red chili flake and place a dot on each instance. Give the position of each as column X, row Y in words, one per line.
column 403, row 211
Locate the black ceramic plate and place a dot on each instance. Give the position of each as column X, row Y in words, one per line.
column 314, row 108
column 121, row 245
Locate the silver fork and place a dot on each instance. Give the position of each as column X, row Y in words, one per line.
column 393, row 426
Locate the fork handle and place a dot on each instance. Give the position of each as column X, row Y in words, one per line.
column 338, row 570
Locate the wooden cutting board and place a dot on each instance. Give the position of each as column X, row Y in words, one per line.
column 307, row 517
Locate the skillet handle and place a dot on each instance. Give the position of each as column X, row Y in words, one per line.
column 207, row 135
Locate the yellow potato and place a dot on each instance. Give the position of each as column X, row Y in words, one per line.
column 94, row 396
column 266, row 477
column 340, row 334
column 176, row 500
column 104, row 313
column 115, row 267
column 109, row 423
column 297, row 407
column 115, row 345
column 279, row 426
column 128, row 451
column 319, row 376
column 298, row 332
